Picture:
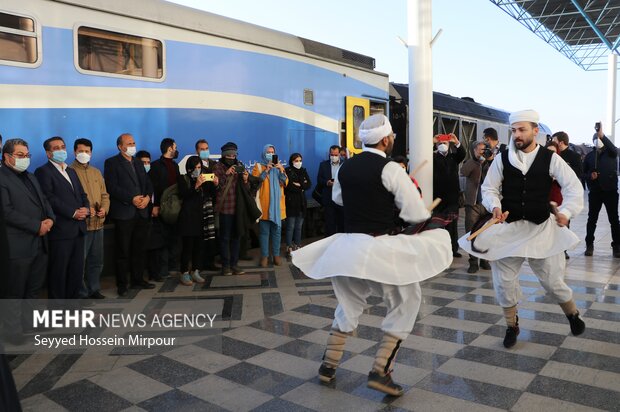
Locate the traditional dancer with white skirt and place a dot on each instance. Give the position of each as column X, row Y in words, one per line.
column 516, row 192
column 367, row 260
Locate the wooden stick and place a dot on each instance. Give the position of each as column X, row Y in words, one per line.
column 485, row 227
column 420, row 166
column 434, row 204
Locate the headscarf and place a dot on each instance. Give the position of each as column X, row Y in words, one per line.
column 274, row 188
column 374, row 128
column 190, row 165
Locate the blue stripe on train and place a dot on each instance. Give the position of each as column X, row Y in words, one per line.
column 199, row 67
column 251, row 131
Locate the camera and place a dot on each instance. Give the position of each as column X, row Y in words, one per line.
column 487, row 152
column 240, row 169
column 597, row 126
column 274, row 159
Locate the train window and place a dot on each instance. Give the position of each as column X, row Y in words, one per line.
column 18, row 39
column 359, row 114
column 118, row 53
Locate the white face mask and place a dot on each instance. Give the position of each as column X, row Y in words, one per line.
column 21, row 164
column 481, row 158
column 131, row 151
column 442, row 148
column 297, row 165
column 334, row 159
column 82, row 157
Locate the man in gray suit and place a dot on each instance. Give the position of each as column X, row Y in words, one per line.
column 29, row 218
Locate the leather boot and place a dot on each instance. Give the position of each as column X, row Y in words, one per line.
column 332, row 355
column 263, row 261
column 380, row 377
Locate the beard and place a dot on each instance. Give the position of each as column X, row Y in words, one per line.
column 389, row 148
column 523, row 143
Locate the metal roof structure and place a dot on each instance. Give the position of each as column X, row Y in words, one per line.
column 585, row 31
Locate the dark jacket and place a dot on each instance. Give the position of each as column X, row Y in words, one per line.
column 474, row 172
column 65, row 199
column 23, row 213
column 325, row 174
column 295, row 195
column 602, row 161
column 574, row 161
column 159, row 177
column 123, row 186
column 190, row 221
column 446, row 176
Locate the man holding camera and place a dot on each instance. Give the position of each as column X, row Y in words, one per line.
column 230, row 173
column 446, row 159
column 490, row 137
column 475, row 170
column 600, row 170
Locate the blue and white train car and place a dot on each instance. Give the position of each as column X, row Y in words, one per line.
column 98, row 68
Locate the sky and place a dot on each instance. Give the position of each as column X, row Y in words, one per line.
column 482, row 53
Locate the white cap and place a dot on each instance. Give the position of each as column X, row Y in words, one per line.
column 374, row 128
column 528, row 115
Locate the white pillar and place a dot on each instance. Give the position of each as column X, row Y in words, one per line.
column 612, row 74
column 421, row 94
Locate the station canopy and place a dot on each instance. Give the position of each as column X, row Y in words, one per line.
column 585, row 31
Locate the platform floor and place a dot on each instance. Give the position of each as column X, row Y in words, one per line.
column 265, row 351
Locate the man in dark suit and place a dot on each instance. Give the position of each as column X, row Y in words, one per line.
column 572, row 158
column 130, row 189
column 334, row 216
column 163, row 174
column 29, row 218
column 66, row 195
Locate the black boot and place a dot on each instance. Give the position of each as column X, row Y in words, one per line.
column 589, row 249
column 511, row 335
column 473, row 267
column 484, row 264
column 384, row 383
column 616, row 250
column 577, row 326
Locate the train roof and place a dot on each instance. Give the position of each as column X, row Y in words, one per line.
column 187, row 18
column 465, row 106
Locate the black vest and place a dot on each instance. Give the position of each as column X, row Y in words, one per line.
column 368, row 206
column 527, row 197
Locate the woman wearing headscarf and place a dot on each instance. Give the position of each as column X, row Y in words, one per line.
column 298, row 183
column 271, row 196
column 196, row 219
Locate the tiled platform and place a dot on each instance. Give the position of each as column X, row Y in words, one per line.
column 267, row 345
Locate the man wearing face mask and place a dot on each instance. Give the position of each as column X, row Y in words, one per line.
column 29, row 218
column 64, row 191
column 446, row 159
column 516, row 191
column 163, row 174
column 94, row 186
column 366, row 260
column 130, row 195
column 600, row 171
column 474, row 170
column 334, row 218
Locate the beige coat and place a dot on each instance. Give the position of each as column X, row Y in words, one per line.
column 94, row 186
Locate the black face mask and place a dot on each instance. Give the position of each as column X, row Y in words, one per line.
column 229, row 162
column 175, row 154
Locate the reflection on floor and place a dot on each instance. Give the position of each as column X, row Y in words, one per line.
column 266, row 345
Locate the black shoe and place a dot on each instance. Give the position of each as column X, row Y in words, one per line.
column 122, row 291
column 97, row 295
column 456, row 255
column 589, row 250
column 236, row 270
column 484, row 264
column 384, row 384
column 226, row 271
column 473, row 268
column 577, row 326
column 143, row 285
column 616, row 251
column 156, row 278
column 511, row 335
column 327, row 373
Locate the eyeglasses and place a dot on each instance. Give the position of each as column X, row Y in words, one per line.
column 393, row 135
column 20, row 155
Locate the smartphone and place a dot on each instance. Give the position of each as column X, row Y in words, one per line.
column 208, row 177
column 597, row 126
column 274, row 159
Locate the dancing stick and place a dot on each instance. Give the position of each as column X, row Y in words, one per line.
column 420, row 166
column 434, row 204
column 483, row 228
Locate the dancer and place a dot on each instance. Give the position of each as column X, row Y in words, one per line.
column 370, row 187
column 516, row 191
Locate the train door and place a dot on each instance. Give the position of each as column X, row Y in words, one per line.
column 356, row 110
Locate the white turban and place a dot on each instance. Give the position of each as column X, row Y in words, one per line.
column 374, row 128
column 528, row 115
